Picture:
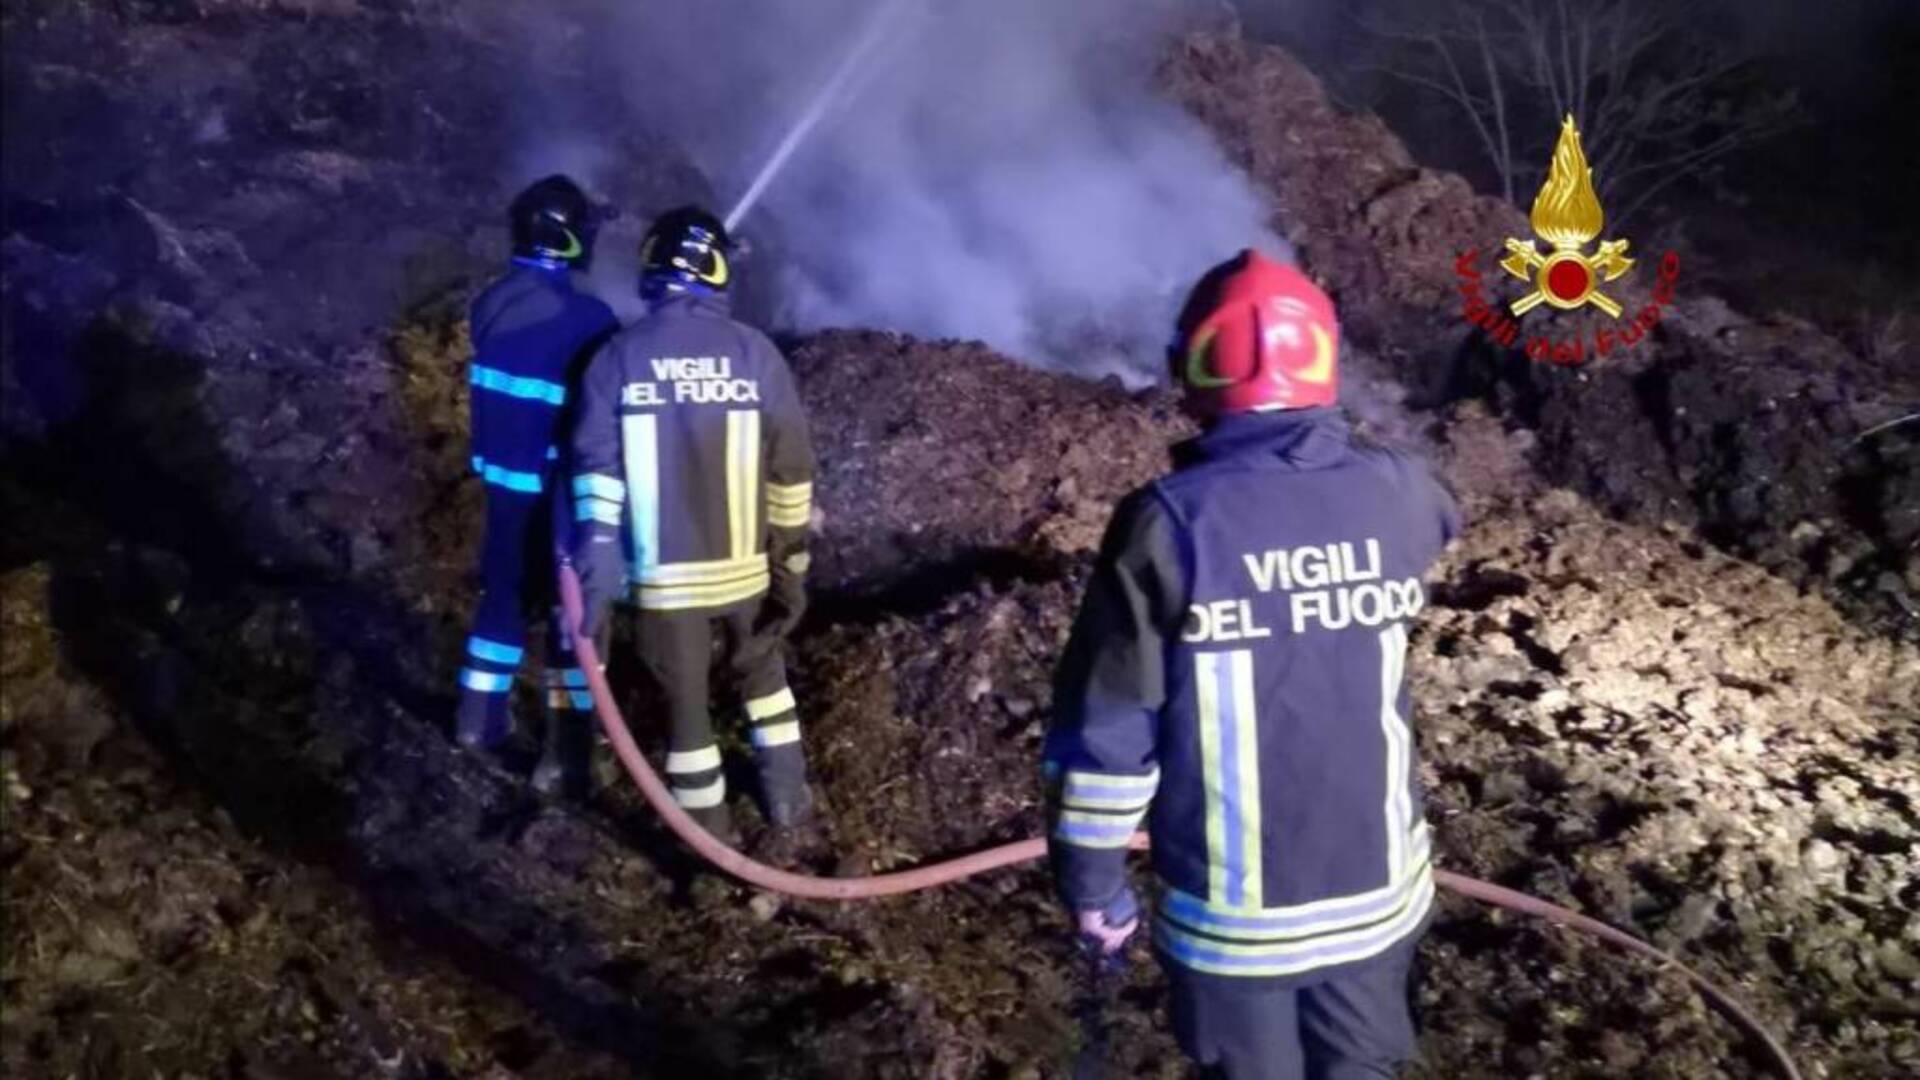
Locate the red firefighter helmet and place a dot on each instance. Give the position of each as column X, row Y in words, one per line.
column 1256, row 335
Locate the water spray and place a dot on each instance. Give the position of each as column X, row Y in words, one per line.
column 884, row 20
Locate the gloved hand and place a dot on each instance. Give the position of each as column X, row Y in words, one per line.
column 603, row 574
column 787, row 599
column 1107, row 929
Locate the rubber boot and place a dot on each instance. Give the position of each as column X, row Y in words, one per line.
column 483, row 721
column 566, row 758
column 718, row 821
column 784, row 794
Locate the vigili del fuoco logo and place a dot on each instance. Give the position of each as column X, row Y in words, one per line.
column 1566, row 216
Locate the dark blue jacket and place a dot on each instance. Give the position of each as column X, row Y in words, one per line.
column 1236, row 678
column 692, row 446
column 531, row 334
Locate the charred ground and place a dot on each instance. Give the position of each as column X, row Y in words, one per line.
column 1662, row 679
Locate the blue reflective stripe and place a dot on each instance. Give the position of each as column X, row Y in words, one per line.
column 519, row 386
column 573, row 677
column 493, row 651
column 553, row 453
column 599, row 486
column 582, row 699
column 527, row 482
column 479, row 464
column 486, row 682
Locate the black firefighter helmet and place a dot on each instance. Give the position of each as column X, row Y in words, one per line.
column 685, row 250
column 554, row 222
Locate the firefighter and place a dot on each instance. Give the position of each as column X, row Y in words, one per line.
column 693, row 488
column 1236, row 680
column 531, row 333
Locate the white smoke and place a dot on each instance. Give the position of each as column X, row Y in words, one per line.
column 999, row 169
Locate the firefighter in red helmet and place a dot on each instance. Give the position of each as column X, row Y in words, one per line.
column 1235, row 682
column 1257, row 336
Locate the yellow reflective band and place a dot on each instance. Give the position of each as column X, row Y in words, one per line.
column 789, row 506
column 771, row 705
column 790, row 494
column 693, row 574
column 1207, row 954
column 781, row 517
column 702, row 798
column 1206, row 688
column 1144, row 784
column 1393, row 646
column 1247, row 743
column 1321, row 916
column 683, row 586
column 743, row 481
column 1081, row 818
column 1091, row 802
column 1095, row 830
column 640, row 452
column 599, row 486
column 693, row 761
column 776, row 734
column 749, row 585
column 690, row 598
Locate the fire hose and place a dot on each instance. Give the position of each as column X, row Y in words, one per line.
column 810, row 887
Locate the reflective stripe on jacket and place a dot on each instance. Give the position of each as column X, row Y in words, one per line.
column 1235, row 680
column 691, row 443
column 531, row 334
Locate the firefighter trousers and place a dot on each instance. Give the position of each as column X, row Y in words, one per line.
column 1356, row 1025
column 677, row 650
column 517, row 587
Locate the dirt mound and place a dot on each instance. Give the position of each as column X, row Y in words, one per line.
column 1765, row 803
column 1633, row 724
column 945, row 462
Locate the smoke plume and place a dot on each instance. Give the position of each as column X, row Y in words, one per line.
column 995, row 169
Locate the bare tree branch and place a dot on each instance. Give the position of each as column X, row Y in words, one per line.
column 1504, row 159
column 1655, row 92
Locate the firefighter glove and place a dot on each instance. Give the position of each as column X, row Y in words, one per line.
column 603, row 574
column 1107, row 928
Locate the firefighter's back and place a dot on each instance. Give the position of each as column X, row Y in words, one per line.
column 700, row 400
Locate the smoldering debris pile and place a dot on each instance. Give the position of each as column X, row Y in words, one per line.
column 1614, row 717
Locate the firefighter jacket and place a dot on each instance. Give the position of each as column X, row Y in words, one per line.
column 531, row 333
column 1235, row 679
column 691, row 443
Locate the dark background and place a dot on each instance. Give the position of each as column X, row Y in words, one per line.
column 1823, row 220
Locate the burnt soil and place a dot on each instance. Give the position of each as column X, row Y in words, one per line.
column 236, row 569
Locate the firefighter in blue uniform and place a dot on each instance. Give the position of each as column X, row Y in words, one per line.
column 693, row 488
column 1236, row 681
column 531, row 333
